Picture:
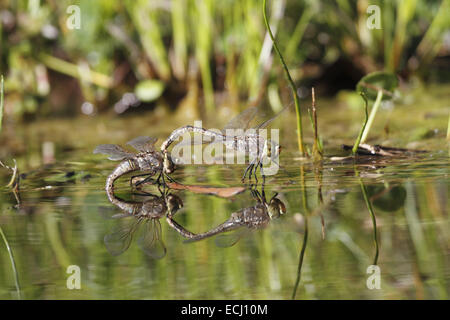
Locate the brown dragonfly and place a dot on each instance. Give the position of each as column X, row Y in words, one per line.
column 240, row 222
column 148, row 159
column 145, row 216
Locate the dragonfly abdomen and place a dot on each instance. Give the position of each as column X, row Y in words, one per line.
column 123, row 168
column 180, row 131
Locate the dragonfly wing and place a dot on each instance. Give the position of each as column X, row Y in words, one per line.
column 267, row 122
column 113, row 151
column 242, row 120
column 143, row 143
column 119, row 240
column 231, row 238
column 150, row 242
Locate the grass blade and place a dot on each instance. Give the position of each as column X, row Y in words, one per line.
column 291, row 83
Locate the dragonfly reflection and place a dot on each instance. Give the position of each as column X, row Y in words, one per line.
column 240, row 222
column 251, row 143
column 135, row 214
column 148, row 159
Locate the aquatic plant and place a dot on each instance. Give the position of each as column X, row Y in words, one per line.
column 291, row 84
column 1, row 102
column 376, row 86
column 358, row 139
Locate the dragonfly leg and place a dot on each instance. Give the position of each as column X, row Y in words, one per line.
column 158, row 180
column 147, row 179
column 254, row 191
column 144, row 194
column 245, row 172
column 170, row 178
column 262, row 172
column 253, row 171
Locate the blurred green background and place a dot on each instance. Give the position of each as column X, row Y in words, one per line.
column 194, row 55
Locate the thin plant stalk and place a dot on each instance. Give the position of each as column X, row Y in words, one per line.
column 372, row 216
column 1, row 101
column 317, row 150
column 374, row 220
column 448, row 128
column 300, row 261
column 291, row 83
column 13, row 263
column 305, row 236
column 75, row 71
column 373, row 112
column 358, row 140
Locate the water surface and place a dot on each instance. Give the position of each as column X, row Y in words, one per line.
column 60, row 220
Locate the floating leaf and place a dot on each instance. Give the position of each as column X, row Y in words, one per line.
column 149, row 90
column 376, row 81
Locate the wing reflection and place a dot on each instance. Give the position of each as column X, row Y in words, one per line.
column 140, row 217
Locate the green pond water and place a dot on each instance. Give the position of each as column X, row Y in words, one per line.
column 60, row 221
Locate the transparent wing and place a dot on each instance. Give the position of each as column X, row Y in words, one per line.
column 267, row 122
column 229, row 239
column 119, row 240
column 150, row 242
column 110, row 213
column 113, row 151
column 143, row 143
column 242, row 120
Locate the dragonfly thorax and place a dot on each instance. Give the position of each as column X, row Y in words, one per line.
column 149, row 161
column 155, row 208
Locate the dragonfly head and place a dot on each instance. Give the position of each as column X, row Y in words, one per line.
column 276, row 207
column 174, row 203
column 169, row 165
column 272, row 149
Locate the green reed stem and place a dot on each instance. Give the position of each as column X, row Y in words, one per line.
column 13, row 263
column 448, row 128
column 374, row 220
column 373, row 112
column 291, row 83
column 1, row 101
column 305, row 236
column 300, row 261
column 358, row 140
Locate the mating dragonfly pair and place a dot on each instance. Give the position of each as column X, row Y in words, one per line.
column 144, row 217
column 160, row 163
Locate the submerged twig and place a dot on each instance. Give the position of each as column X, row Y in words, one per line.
column 291, row 83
